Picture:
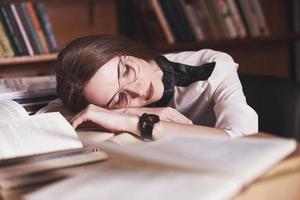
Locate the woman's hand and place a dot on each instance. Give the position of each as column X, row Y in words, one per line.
column 111, row 121
column 165, row 113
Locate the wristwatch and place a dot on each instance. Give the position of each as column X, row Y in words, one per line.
column 146, row 124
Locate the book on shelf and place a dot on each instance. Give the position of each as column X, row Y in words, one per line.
column 167, row 8
column 32, row 31
column 163, row 21
column 250, row 16
column 26, row 29
column 184, row 24
column 207, row 21
column 4, row 41
column 46, row 26
column 17, row 16
column 49, row 131
column 178, row 167
column 11, row 30
column 198, row 20
column 260, row 18
column 237, row 19
column 38, row 27
column 32, row 93
column 226, row 19
column 193, row 19
column 20, row 16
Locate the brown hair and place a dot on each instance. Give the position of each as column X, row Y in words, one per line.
column 80, row 60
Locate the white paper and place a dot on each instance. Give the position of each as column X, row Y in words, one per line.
column 245, row 157
column 10, row 110
column 136, row 183
column 181, row 167
column 36, row 134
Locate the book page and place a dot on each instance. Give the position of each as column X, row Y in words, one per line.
column 181, row 167
column 246, row 158
column 135, row 182
column 10, row 110
column 36, row 134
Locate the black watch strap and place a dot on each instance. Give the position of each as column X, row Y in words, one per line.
column 146, row 124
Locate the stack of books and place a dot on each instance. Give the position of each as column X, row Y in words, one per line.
column 198, row 20
column 32, row 93
column 25, row 30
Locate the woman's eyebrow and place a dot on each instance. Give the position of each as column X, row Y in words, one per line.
column 118, row 78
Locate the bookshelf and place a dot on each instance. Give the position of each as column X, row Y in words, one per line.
column 28, row 59
column 248, row 42
column 271, row 55
column 70, row 19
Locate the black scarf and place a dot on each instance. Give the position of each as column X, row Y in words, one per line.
column 178, row 74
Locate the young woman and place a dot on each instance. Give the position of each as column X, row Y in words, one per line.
column 124, row 87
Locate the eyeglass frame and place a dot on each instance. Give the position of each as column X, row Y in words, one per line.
column 123, row 64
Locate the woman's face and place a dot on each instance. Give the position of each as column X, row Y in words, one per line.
column 125, row 81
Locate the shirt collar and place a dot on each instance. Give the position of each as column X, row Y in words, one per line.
column 178, row 74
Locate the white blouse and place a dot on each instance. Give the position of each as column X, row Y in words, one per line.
column 217, row 102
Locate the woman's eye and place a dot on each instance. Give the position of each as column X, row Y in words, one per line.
column 120, row 99
column 126, row 72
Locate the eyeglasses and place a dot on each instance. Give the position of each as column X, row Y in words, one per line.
column 128, row 72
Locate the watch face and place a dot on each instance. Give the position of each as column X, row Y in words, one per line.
column 152, row 118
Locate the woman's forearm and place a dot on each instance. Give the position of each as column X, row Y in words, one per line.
column 164, row 128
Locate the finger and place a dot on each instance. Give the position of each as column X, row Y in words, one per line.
column 78, row 120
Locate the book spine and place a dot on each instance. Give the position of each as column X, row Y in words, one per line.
column 46, row 25
column 37, row 26
column 10, row 30
column 205, row 21
column 243, row 17
column 215, row 19
column 168, row 11
column 154, row 32
column 22, row 30
column 237, row 20
column 260, row 18
column 2, row 52
column 163, row 21
column 7, row 48
column 26, row 27
column 183, row 21
column 32, row 29
column 250, row 17
column 225, row 17
column 192, row 17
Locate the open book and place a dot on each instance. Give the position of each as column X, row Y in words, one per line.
column 180, row 167
column 23, row 135
column 41, row 145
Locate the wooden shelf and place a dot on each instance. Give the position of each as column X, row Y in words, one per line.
column 235, row 43
column 28, row 59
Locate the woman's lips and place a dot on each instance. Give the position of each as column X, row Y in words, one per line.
column 150, row 91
